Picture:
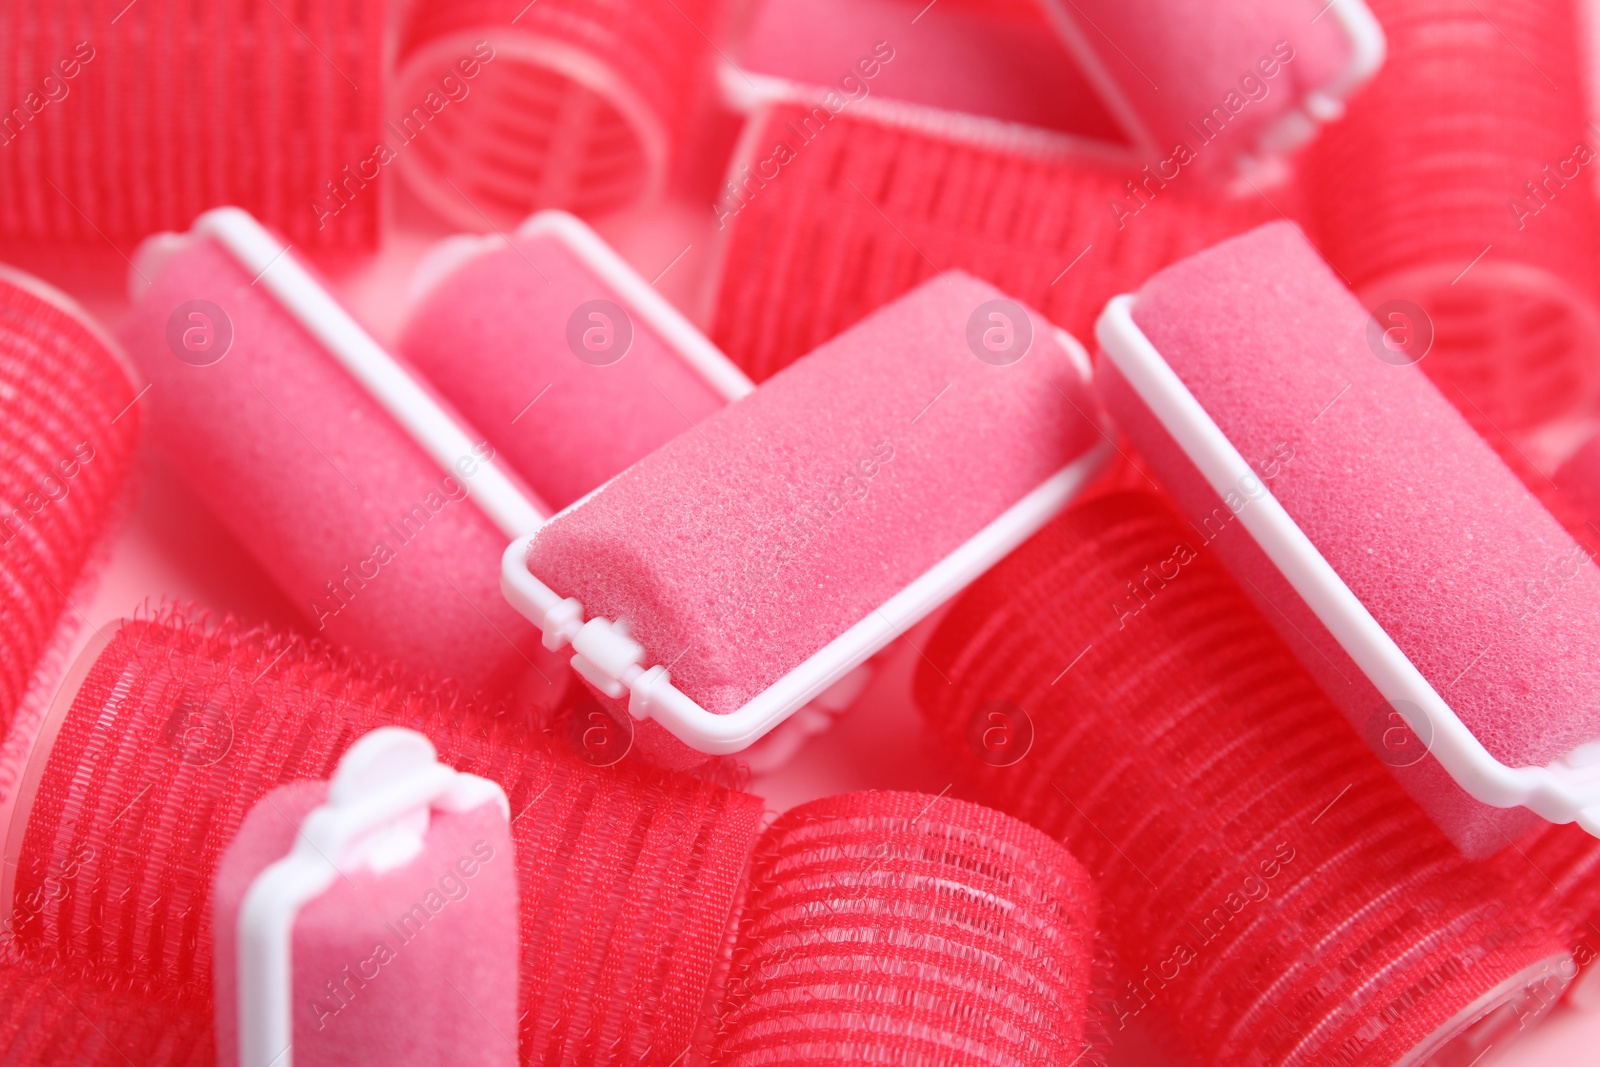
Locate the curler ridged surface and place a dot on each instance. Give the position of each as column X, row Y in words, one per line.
column 1461, row 182
column 864, row 211
column 1272, row 895
column 627, row 880
column 67, row 434
column 902, row 928
column 581, row 104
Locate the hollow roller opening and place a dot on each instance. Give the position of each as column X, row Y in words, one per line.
column 502, row 108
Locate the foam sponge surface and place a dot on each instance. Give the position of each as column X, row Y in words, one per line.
column 579, row 104
column 378, row 546
column 1485, row 592
column 1178, row 65
column 493, row 338
column 744, row 545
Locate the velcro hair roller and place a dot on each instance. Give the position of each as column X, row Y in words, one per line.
column 1271, row 895
column 902, row 928
column 128, row 119
column 1222, row 88
column 750, row 563
column 501, row 107
column 1448, row 614
column 827, row 216
column 1557, row 869
column 153, row 811
column 68, row 424
column 48, row 1018
column 1457, row 200
column 372, row 918
column 1577, row 484
column 572, row 365
column 379, row 514
column 627, row 882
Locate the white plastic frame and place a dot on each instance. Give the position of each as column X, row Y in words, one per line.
column 613, row 662
column 377, row 810
column 1324, row 103
column 1567, row 790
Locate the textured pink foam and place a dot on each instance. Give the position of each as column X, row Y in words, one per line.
column 493, row 338
column 1176, row 62
column 747, row 543
column 313, row 478
column 998, row 60
column 422, row 959
column 1492, row 600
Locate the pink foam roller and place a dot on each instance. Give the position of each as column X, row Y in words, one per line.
column 1221, row 86
column 1414, row 575
column 68, row 424
column 903, row 928
column 825, row 217
column 1269, row 894
column 386, row 538
column 567, row 360
column 997, row 60
column 741, row 551
column 399, row 946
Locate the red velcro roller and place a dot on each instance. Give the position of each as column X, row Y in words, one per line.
column 1558, row 869
column 578, row 366
column 48, row 1018
column 1577, row 495
column 67, row 431
column 1271, row 894
column 574, row 104
column 627, row 882
column 775, row 559
column 828, row 216
column 974, row 60
column 902, row 928
column 1457, row 200
column 1222, row 87
column 127, row 119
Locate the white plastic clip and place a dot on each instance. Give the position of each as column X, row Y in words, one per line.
column 613, row 662
column 376, row 817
